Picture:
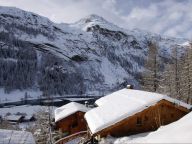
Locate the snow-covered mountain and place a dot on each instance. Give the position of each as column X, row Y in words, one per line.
column 91, row 56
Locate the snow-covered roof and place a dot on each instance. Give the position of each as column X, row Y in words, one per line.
column 16, row 137
column 13, row 117
column 122, row 104
column 187, row 43
column 68, row 109
column 28, row 117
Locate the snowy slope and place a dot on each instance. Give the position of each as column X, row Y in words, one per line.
column 25, row 109
column 18, row 95
column 177, row 132
column 96, row 56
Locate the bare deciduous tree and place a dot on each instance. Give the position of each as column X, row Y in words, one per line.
column 42, row 126
column 150, row 77
column 177, row 77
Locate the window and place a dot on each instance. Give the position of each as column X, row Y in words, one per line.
column 74, row 124
column 139, row 121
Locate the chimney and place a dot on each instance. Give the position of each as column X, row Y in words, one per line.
column 86, row 103
column 129, row 86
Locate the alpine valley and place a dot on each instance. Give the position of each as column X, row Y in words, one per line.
column 89, row 57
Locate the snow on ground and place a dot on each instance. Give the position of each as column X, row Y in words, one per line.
column 110, row 72
column 93, row 20
column 28, row 109
column 18, row 95
column 77, row 99
column 69, row 109
column 187, row 43
column 26, row 125
column 16, row 137
column 74, row 141
column 176, row 132
column 125, row 103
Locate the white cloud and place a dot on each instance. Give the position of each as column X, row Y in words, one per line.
column 168, row 17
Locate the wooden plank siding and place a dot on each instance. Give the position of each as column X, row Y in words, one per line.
column 162, row 113
column 72, row 124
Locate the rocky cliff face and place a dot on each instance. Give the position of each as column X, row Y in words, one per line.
column 91, row 56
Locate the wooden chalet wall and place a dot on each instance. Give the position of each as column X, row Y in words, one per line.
column 72, row 124
column 150, row 119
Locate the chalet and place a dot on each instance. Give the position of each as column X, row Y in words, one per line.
column 129, row 111
column 69, row 119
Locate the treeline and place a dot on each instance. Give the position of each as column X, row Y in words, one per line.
column 17, row 67
column 24, row 67
column 59, row 77
column 28, row 28
column 173, row 78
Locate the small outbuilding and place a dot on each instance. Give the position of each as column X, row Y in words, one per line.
column 129, row 111
column 15, row 118
column 69, row 119
column 29, row 118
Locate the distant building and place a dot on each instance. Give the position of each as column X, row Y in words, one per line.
column 69, row 119
column 29, row 118
column 128, row 112
column 15, row 118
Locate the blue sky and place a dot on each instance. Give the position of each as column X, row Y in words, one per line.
column 167, row 17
